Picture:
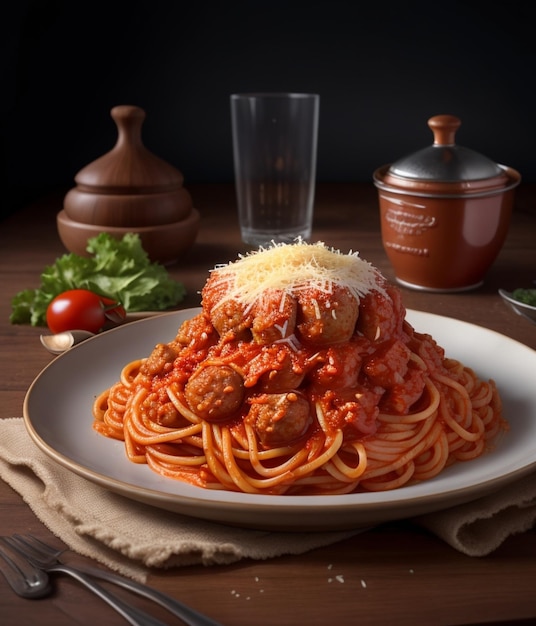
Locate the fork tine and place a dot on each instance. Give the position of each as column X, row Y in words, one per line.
column 38, row 556
column 39, row 546
column 27, row 551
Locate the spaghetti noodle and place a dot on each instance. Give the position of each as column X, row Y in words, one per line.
column 300, row 375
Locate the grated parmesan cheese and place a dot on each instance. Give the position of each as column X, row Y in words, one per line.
column 294, row 267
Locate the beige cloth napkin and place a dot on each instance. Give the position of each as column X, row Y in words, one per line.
column 132, row 537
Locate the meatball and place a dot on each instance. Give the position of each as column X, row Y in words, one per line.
column 326, row 318
column 230, row 320
column 227, row 315
column 197, row 332
column 274, row 316
column 161, row 412
column 279, row 419
column 159, row 361
column 214, row 392
column 338, row 366
column 381, row 316
column 275, row 369
column 389, row 364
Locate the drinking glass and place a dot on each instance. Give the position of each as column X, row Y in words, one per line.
column 274, row 149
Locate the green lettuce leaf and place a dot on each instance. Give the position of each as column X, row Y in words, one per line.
column 527, row 296
column 119, row 269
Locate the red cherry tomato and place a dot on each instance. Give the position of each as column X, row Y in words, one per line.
column 80, row 309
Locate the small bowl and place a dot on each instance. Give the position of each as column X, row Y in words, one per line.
column 164, row 243
column 445, row 212
column 521, row 308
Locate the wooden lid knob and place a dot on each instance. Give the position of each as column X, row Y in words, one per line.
column 129, row 167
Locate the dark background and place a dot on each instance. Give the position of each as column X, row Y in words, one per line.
column 381, row 69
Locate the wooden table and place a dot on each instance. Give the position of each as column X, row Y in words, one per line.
column 393, row 574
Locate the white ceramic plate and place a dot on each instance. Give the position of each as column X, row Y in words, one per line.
column 57, row 413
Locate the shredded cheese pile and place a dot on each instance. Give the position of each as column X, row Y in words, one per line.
column 294, row 267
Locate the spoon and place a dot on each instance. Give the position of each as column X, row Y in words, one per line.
column 26, row 580
column 56, row 344
column 521, row 308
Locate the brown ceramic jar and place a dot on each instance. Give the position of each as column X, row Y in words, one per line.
column 445, row 212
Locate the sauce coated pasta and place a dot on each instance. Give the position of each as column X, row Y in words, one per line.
column 301, row 375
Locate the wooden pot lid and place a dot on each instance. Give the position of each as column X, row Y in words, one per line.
column 129, row 167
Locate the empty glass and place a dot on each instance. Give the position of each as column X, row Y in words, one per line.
column 274, row 147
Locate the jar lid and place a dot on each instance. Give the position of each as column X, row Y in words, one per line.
column 444, row 161
column 129, row 167
column 445, row 169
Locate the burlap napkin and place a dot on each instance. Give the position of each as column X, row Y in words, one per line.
column 132, row 537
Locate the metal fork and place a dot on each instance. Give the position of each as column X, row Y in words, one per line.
column 49, row 556
column 133, row 615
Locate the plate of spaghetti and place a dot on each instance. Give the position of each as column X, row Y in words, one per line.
column 301, row 395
